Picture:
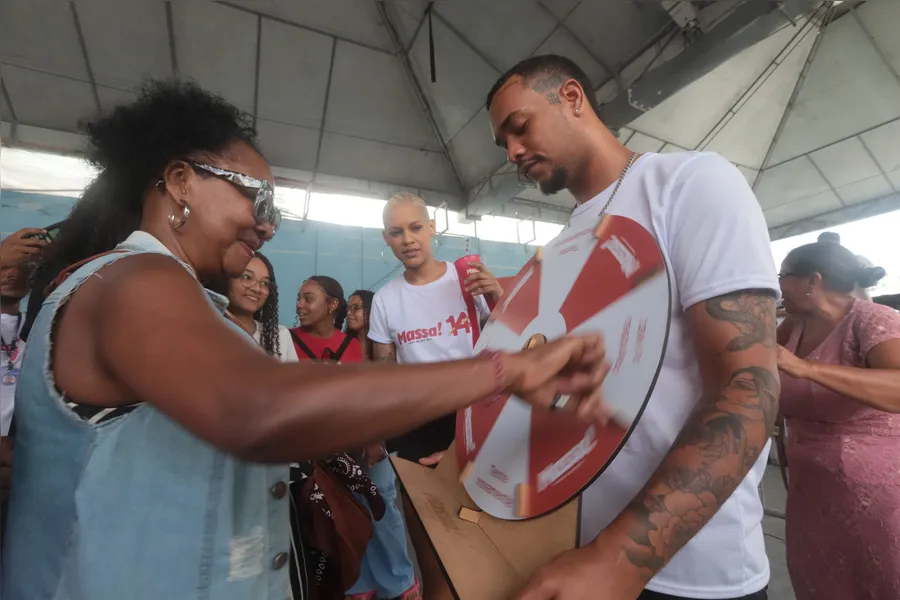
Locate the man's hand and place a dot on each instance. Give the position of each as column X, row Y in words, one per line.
column 483, row 283
column 589, row 573
column 16, row 248
column 432, row 460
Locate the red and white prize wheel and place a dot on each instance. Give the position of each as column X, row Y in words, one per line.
column 519, row 463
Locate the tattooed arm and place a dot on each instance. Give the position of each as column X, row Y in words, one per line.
column 735, row 340
column 734, row 337
column 385, row 353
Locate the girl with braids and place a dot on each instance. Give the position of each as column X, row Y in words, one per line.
column 182, row 491
column 387, row 568
column 253, row 304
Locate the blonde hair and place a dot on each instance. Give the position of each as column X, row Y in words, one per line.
column 404, row 198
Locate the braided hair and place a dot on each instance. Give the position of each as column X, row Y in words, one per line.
column 267, row 315
column 334, row 291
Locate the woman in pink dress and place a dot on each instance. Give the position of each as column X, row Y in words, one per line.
column 840, row 397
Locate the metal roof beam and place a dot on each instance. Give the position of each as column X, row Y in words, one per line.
column 749, row 23
column 406, row 64
column 856, row 212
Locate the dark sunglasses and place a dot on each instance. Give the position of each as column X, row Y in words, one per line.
column 259, row 191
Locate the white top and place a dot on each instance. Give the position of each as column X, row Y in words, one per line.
column 9, row 377
column 714, row 238
column 285, row 342
column 427, row 323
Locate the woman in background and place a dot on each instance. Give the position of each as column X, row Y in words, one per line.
column 321, row 310
column 427, row 299
column 253, row 304
column 840, row 395
column 387, row 568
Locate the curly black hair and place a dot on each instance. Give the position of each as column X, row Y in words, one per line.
column 267, row 316
column 367, row 296
column 334, row 291
column 131, row 146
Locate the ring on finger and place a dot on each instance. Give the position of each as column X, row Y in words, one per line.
column 559, row 402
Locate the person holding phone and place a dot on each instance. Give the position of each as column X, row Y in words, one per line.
column 21, row 247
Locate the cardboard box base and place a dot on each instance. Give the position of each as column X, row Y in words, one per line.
column 481, row 557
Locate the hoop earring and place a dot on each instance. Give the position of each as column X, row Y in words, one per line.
column 185, row 213
column 383, row 259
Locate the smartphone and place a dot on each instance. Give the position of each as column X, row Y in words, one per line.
column 51, row 232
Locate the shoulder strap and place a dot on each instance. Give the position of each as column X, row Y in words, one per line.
column 340, row 351
column 65, row 273
column 302, row 346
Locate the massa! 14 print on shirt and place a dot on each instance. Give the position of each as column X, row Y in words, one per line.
column 426, row 323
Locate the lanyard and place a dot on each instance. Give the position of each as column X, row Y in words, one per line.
column 10, row 348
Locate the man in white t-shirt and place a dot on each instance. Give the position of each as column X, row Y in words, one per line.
column 677, row 513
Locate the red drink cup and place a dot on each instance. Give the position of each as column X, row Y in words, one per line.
column 464, row 268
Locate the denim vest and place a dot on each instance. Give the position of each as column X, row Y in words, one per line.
column 136, row 507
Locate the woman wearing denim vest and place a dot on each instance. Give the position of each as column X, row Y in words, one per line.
column 153, row 434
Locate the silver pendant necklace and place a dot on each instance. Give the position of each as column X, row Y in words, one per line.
column 631, row 158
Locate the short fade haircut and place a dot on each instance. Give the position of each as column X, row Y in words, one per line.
column 546, row 72
column 404, row 198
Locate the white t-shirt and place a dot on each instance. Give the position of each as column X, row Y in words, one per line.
column 714, row 238
column 285, row 342
column 10, row 325
column 426, row 323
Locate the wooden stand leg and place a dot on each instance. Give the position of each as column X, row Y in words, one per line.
column 434, row 583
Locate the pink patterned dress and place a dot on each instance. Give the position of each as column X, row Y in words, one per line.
column 843, row 505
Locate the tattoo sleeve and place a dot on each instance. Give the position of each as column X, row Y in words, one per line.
column 722, row 438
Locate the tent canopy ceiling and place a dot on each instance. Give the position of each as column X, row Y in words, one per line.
column 344, row 98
